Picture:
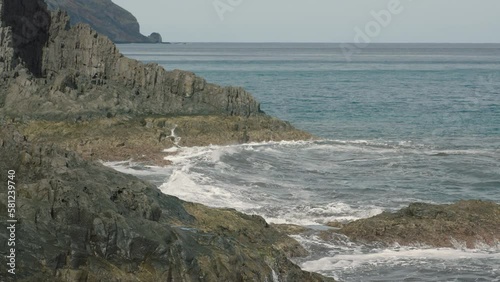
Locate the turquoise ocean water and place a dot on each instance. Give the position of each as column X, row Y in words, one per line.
column 400, row 123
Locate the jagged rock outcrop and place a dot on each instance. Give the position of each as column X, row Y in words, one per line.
column 74, row 75
column 473, row 223
column 74, row 72
column 81, row 221
column 105, row 17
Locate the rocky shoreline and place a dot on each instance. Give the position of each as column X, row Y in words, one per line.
column 465, row 224
column 68, row 98
column 70, row 86
column 81, row 221
column 145, row 139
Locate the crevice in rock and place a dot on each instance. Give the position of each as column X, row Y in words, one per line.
column 30, row 22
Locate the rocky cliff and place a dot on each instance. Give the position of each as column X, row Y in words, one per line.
column 81, row 221
column 57, row 71
column 105, row 17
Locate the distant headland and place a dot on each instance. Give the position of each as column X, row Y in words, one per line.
column 105, row 17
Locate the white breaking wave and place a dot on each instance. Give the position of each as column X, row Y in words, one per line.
column 187, row 153
column 335, row 211
column 198, row 185
column 182, row 185
column 309, row 183
column 394, row 257
column 137, row 169
column 362, row 146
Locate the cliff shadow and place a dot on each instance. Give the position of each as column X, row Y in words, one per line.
column 30, row 23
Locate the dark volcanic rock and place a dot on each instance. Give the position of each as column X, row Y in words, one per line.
column 74, row 72
column 81, row 221
column 469, row 222
column 105, row 17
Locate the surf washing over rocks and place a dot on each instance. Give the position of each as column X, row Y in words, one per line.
column 291, row 183
column 426, row 131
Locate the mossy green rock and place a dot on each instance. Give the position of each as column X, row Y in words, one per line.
column 145, row 139
column 469, row 223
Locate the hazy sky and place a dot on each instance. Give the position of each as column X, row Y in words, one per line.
column 319, row 20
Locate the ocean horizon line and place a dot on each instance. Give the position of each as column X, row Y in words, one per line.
column 308, row 43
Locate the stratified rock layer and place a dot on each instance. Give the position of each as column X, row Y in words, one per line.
column 473, row 223
column 81, row 221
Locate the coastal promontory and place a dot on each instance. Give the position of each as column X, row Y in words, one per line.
column 105, row 17
column 70, row 85
column 67, row 96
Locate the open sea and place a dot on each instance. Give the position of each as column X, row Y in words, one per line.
column 399, row 123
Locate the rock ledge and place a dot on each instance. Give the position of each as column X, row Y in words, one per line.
column 472, row 223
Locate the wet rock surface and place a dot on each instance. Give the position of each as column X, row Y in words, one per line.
column 468, row 224
column 81, row 221
column 144, row 139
